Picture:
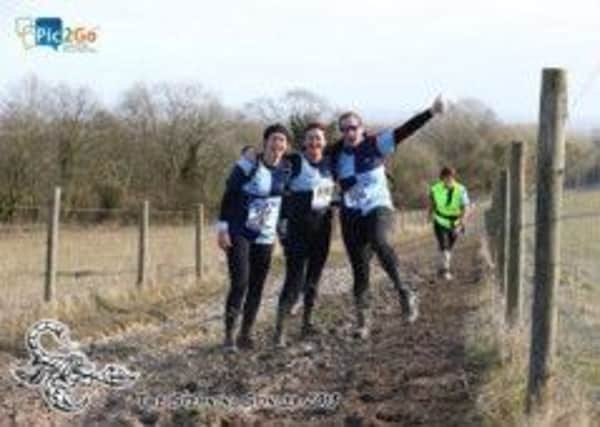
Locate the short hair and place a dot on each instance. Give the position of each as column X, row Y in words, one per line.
column 276, row 128
column 347, row 115
column 447, row 172
column 315, row 125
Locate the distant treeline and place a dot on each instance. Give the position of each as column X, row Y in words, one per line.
column 173, row 144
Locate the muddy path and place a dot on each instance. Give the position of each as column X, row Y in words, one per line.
column 403, row 375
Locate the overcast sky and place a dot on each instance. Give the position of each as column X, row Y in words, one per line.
column 385, row 58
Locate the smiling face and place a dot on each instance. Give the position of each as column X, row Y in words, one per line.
column 352, row 129
column 314, row 142
column 276, row 145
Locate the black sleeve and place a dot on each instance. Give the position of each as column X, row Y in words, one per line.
column 231, row 197
column 295, row 165
column 411, row 126
column 295, row 161
column 333, row 152
column 285, row 205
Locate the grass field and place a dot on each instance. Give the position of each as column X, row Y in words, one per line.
column 578, row 334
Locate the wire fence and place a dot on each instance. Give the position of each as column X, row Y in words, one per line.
column 577, row 295
column 545, row 244
column 99, row 250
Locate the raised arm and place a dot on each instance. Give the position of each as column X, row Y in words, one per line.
column 418, row 121
column 389, row 140
column 411, row 126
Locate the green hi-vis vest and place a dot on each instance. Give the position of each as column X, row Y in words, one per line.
column 447, row 207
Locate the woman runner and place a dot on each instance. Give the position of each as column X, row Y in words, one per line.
column 307, row 209
column 247, row 229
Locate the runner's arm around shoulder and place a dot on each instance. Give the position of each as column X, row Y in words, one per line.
column 294, row 161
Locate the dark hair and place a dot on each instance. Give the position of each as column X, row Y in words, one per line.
column 246, row 148
column 347, row 115
column 276, row 128
column 447, row 172
column 315, row 125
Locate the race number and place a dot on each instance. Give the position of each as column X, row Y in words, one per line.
column 263, row 214
column 356, row 197
column 322, row 194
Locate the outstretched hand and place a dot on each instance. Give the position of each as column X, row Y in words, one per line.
column 439, row 105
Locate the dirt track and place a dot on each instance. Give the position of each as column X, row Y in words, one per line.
column 404, row 375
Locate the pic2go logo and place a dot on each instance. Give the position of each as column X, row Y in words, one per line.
column 52, row 33
column 49, row 32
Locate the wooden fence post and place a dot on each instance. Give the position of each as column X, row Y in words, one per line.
column 200, row 241
column 490, row 219
column 52, row 246
column 143, row 244
column 515, row 242
column 503, row 219
column 498, row 224
column 550, row 176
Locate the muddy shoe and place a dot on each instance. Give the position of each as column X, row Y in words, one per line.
column 279, row 334
column 410, row 307
column 244, row 342
column 279, row 341
column 361, row 333
column 309, row 330
column 295, row 310
column 362, row 330
column 229, row 346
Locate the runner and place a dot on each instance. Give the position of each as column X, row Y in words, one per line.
column 448, row 208
column 307, row 210
column 247, row 228
column 366, row 213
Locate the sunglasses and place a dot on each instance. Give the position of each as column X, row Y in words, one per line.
column 349, row 128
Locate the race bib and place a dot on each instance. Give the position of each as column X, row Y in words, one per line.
column 356, row 197
column 263, row 214
column 322, row 194
column 369, row 191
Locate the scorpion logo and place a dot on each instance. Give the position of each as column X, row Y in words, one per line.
column 57, row 373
